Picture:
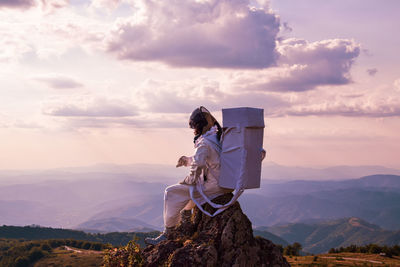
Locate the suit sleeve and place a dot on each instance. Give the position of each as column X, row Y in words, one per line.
column 197, row 165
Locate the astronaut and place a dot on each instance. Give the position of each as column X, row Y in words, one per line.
column 204, row 169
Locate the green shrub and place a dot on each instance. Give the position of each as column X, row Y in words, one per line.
column 86, row 245
column 128, row 256
column 35, row 254
column 96, row 246
column 46, row 247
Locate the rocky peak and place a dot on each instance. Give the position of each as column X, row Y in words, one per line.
column 224, row 240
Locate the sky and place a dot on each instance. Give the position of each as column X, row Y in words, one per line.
column 114, row 81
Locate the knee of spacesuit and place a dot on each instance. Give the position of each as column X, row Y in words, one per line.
column 168, row 189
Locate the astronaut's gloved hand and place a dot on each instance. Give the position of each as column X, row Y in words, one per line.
column 182, row 161
column 263, row 154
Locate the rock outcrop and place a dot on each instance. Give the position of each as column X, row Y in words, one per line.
column 224, row 240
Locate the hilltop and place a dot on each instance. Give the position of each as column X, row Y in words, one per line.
column 224, row 240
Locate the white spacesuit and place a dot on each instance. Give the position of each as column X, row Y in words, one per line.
column 204, row 168
column 204, row 164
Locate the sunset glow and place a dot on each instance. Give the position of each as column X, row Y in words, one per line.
column 114, row 81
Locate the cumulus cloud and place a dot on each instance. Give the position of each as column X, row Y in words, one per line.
column 58, row 81
column 95, row 107
column 52, row 5
column 13, row 45
column 323, row 62
column 101, row 4
column 303, row 66
column 213, row 34
column 89, row 111
column 346, row 111
column 39, row 35
column 379, row 102
column 17, row 3
column 46, row 5
column 184, row 96
column 166, row 104
column 141, row 121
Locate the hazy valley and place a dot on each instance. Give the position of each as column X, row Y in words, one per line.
column 130, row 198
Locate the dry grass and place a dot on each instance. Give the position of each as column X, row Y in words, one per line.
column 344, row 259
column 62, row 257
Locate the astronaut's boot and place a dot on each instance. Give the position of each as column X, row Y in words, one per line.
column 163, row 236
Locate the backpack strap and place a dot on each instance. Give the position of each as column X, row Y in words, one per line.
column 220, row 208
column 239, row 189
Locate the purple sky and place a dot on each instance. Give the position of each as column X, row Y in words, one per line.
column 113, row 81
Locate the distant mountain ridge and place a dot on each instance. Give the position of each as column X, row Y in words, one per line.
column 68, row 199
column 114, row 224
column 380, row 182
column 167, row 173
column 272, row 171
column 320, row 237
column 373, row 198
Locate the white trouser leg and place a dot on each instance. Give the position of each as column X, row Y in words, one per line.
column 176, row 198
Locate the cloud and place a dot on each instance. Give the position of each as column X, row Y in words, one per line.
column 396, row 86
column 167, row 104
column 27, row 125
column 346, row 111
column 303, row 66
column 46, row 5
column 141, row 121
column 372, row 72
column 90, row 111
column 184, row 96
column 212, row 34
column 322, row 62
column 105, row 4
column 37, row 35
column 92, row 107
column 378, row 102
column 49, row 6
column 17, row 3
column 58, row 81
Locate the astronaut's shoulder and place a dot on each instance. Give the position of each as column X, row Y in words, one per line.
column 201, row 141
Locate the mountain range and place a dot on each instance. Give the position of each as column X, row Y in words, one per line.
column 379, row 204
column 375, row 199
column 131, row 197
column 320, row 237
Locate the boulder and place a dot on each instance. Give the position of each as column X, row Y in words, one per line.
column 224, row 240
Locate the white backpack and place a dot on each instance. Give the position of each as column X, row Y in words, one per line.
column 241, row 155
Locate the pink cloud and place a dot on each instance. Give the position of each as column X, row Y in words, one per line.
column 214, row 34
column 184, row 96
column 170, row 121
column 52, row 5
column 326, row 62
column 58, row 81
column 47, row 5
column 304, row 66
column 17, row 3
column 346, row 111
column 97, row 107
